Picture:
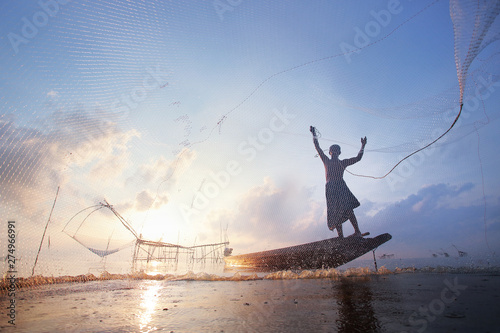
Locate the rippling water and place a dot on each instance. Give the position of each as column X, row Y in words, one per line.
column 350, row 300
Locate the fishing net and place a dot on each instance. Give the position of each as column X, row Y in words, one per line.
column 103, row 218
column 192, row 119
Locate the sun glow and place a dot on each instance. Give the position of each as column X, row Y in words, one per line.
column 154, row 268
column 163, row 225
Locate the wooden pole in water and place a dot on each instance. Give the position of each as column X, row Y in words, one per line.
column 375, row 261
column 43, row 236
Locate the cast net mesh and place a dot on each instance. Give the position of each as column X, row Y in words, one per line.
column 186, row 117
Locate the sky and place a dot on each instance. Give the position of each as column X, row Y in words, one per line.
column 192, row 120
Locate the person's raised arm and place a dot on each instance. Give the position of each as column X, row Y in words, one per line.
column 353, row 160
column 316, row 144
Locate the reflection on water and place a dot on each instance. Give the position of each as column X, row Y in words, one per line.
column 287, row 304
column 149, row 298
column 355, row 310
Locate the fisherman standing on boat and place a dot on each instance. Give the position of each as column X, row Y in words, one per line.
column 340, row 201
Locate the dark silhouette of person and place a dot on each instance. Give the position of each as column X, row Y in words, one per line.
column 340, row 201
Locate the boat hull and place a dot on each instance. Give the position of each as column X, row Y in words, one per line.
column 328, row 253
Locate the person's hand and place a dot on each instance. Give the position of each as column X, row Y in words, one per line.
column 363, row 141
column 313, row 130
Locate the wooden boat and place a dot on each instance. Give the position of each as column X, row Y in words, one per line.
column 328, row 253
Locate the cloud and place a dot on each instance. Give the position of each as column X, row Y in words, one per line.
column 52, row 94
column 433, row 219
column 418, row 206
column 269, row 216
column 33, row 160
column 110, row 166
column 161, row 169
column 146, row 200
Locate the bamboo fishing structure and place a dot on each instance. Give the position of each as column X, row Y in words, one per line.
column 149, row 252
